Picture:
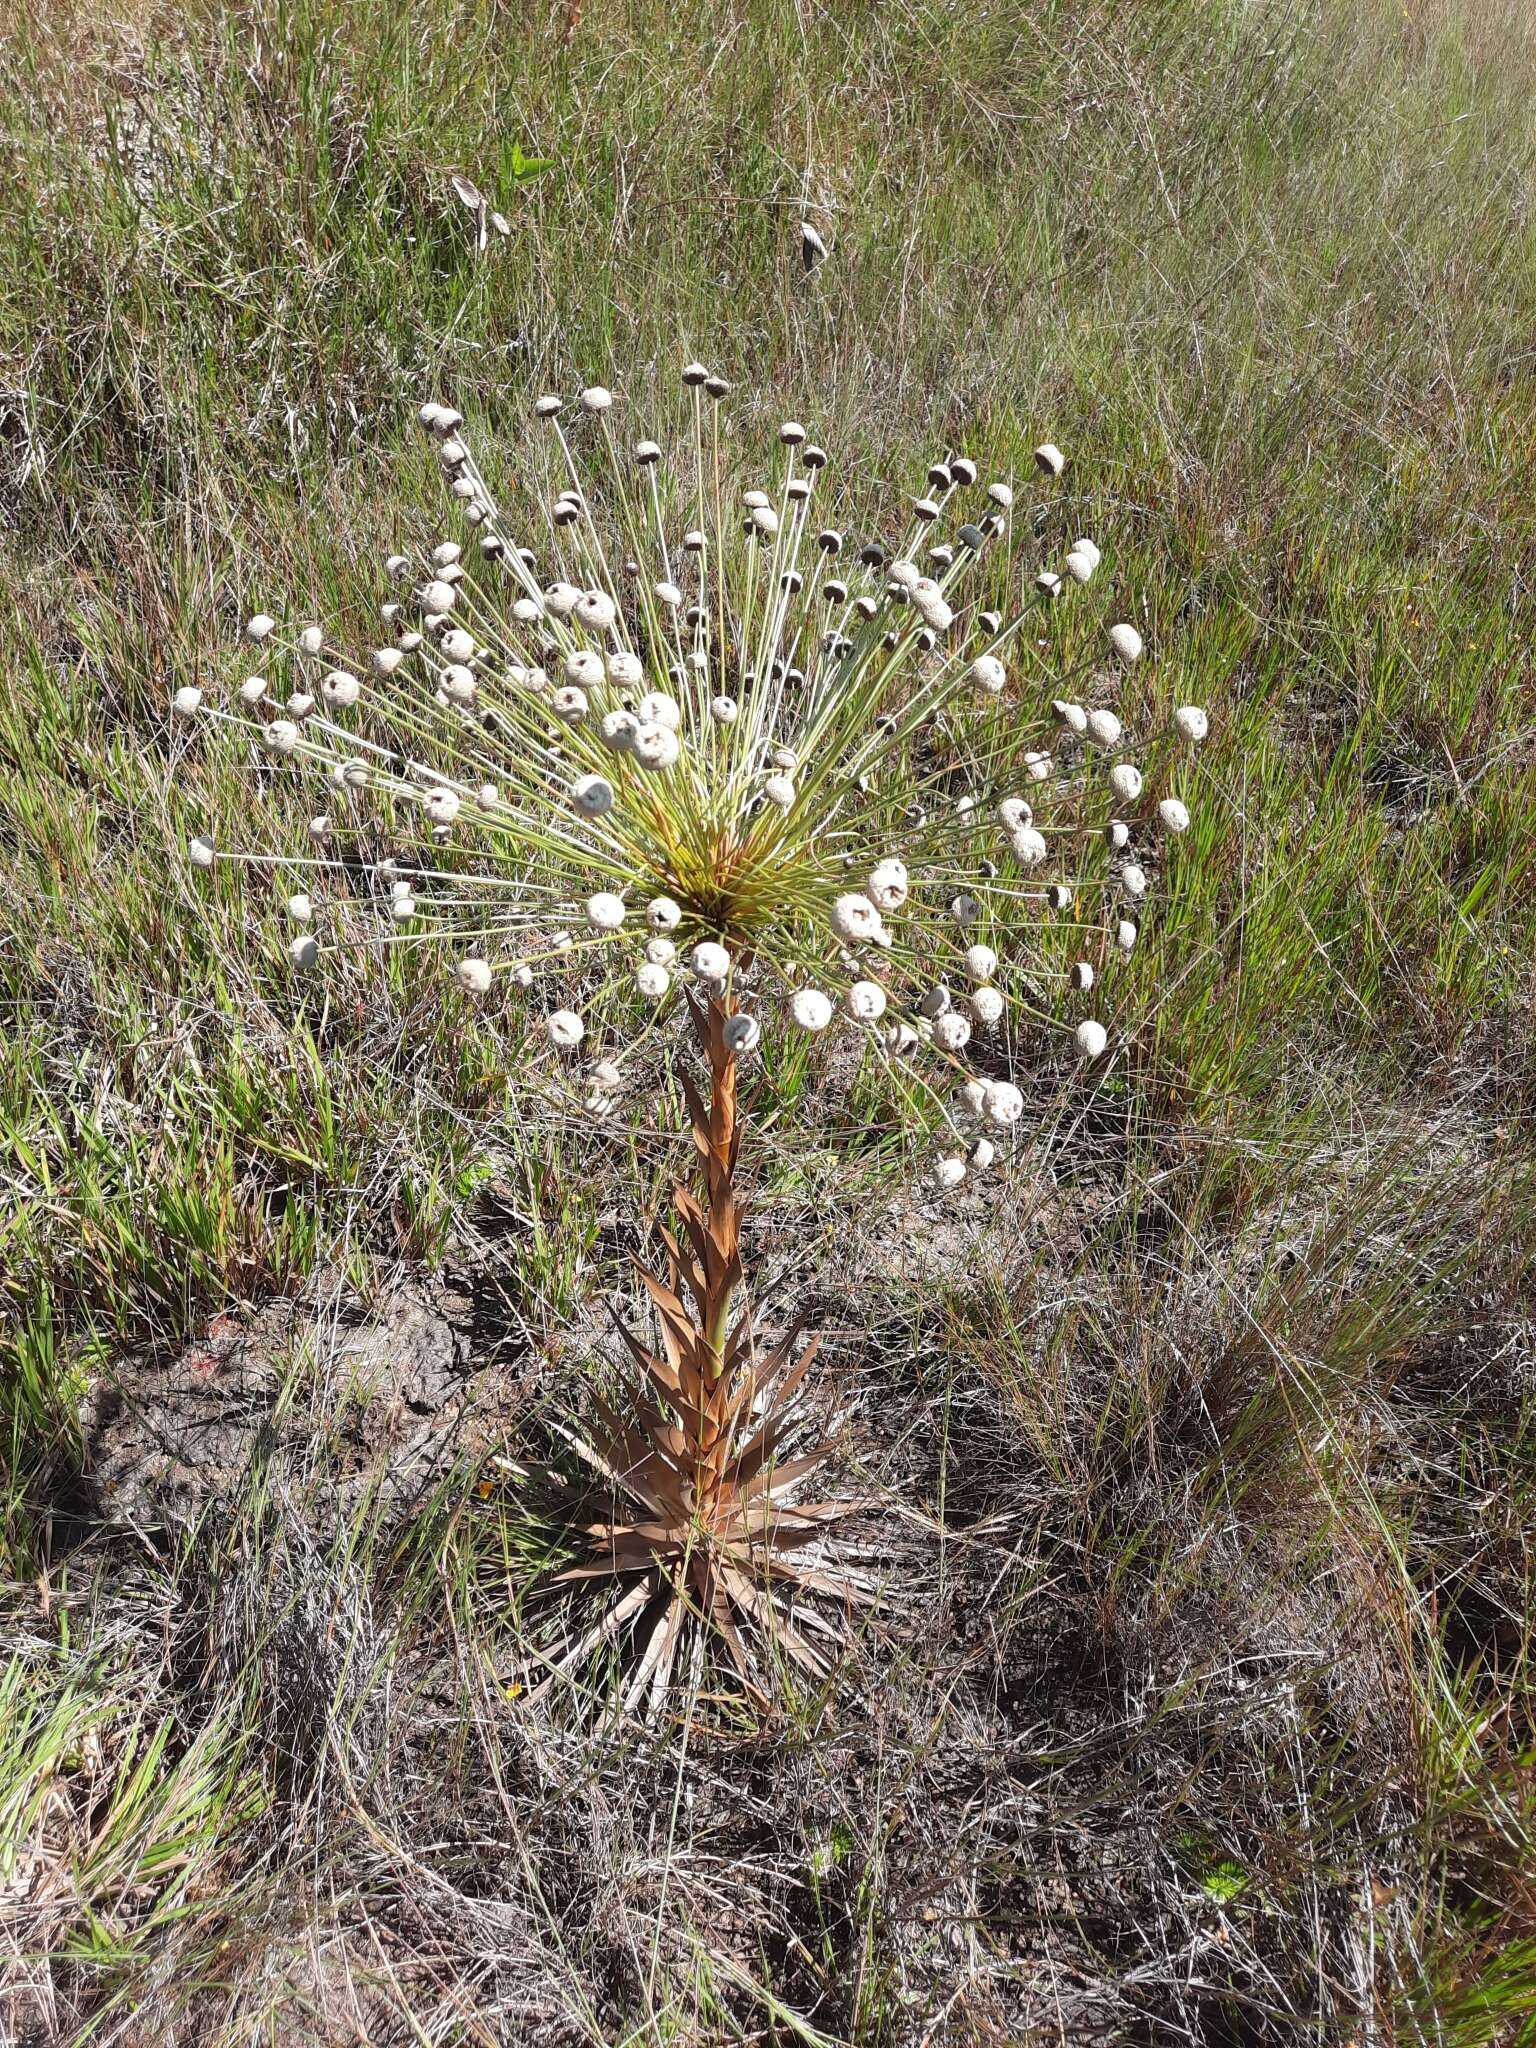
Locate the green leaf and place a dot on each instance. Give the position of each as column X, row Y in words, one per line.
column 526, row 167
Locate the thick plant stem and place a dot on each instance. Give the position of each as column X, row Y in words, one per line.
column 717, row 1135
column 706, row 1502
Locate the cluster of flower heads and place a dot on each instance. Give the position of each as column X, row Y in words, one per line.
column 679, row 735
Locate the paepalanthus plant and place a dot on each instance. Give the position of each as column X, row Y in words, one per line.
column 692, row 753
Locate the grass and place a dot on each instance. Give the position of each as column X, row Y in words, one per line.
column 1204, row 1713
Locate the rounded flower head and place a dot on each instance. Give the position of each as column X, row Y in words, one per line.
column 742, row 1034
column 889, row 884
column 566, row 1030
column 866, row 1002
column 988, row 674
column 857, row 922
column 811, row 1010
column 1029, row 847
column 1091, row 1039
column 987, row 1006
column 655, row 746
column 1004, row 1104
column 605, row 911
column 1191, row 723
column 711, row 962
column 652, row 980
column 186, row 700
column 1126, row 641
column 1173, row 814
column 592, row 795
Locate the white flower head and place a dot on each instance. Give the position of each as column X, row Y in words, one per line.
column 663, row 914
column 980, row 962
column 1173, row 814
column 659, row 709
column 949, row 1170
column 811, row 1010
column 888, row 884
column 710, row 962
column 1029, row 847
column 474, row 976
column 652, row 980
column 988, row 674
column 605, row 911
column 1049, row 459
column 259, row 627
column 857, row 922
column 566, row 1030
column 303, row 950
column 780, row 791
column 617, row 729
column 1104, row 729
column 200, row 852
column 742, row 1034
column 1091, row 1039
column 1125, row 781
column 584, row 669
column 952, row 1031
column 865, row 1002
column 1126, row 641
column 1191, row 723
column 987, row 1006
column 592, row 795
column 723, row 710
column 300, row 909
column 1004, row 1104
column 655, row 746
column 186, row 700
